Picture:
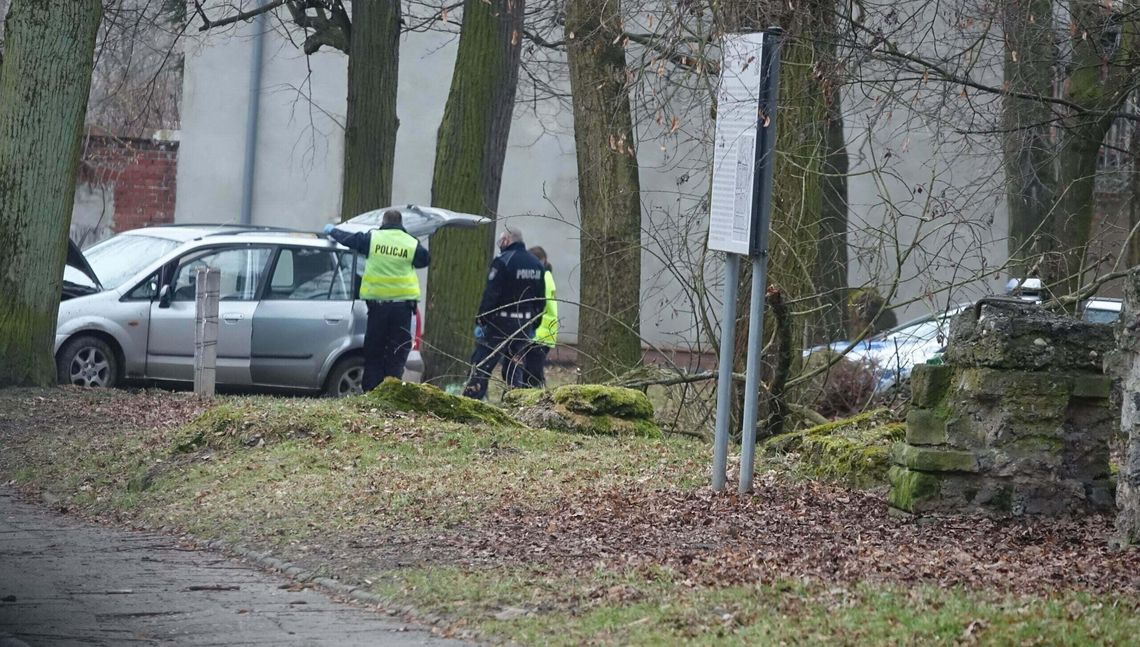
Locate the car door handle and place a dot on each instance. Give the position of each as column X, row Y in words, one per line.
column 333, row 319
column 233, row 317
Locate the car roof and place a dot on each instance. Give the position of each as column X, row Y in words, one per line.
column 230, row 233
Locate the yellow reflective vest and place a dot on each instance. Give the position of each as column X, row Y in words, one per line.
column 388, row 271
column 547, row 333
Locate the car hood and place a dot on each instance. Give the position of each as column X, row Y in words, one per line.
column 76, row 259
column 419, row 221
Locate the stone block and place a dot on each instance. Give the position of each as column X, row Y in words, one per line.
column 962, row 492
column 1027, row 456
column 964, row 431
column 929, row 459
column 1092, row 386
column 989, row 384
column 909, row 488
column 1016, row 335
column 925, row 427
column 928, row 384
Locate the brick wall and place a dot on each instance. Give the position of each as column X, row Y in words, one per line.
column 141, row 174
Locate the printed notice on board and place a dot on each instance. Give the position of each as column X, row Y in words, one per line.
column 734, row 150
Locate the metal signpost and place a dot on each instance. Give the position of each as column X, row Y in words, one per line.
column 740, row 213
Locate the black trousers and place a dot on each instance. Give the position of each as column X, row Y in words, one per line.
column 387, row 341
column 498, row 346
column 513, row 364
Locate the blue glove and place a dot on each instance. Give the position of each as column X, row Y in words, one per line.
column 478, row 332
column 328, row 229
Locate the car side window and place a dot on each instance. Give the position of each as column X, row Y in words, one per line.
column 241, row 272
column 145, row 291
column 309, row 274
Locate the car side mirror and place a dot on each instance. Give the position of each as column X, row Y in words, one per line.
column 164, row 296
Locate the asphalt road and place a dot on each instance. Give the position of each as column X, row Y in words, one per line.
column 66, row 583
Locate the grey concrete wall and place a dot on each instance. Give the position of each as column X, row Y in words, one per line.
column 301, row 142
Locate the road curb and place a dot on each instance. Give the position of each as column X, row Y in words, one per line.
column 408, row 613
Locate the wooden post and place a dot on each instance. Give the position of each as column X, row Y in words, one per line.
column 206, row 330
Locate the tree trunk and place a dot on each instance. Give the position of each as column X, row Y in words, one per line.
column 1133, row 257
column 609, row 319
column 797, row 192
column 1027, row 150
column 831, row 261
column 49, row 48
column 1128, row 479
column 371, row 121
column 1075, row 207
column 469, row 158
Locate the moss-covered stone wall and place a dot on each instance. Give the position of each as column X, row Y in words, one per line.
column 1017, row 421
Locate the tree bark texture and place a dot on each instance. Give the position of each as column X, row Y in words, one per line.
column 1097, row 85
column 831, row 259
column 1027, row 146
column 1133, row 257
column 371, row 121
column 1128, row 479
column 609, row 342
column 469, row 158
column 1051, row 177
column 48, row 53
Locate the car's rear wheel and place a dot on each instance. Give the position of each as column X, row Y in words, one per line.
column 88, row 361
column 346, row 378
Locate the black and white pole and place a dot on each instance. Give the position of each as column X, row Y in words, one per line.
column 739, row 218
column 208, row 284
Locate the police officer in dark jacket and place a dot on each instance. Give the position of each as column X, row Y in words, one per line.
column 390, row 288
column 509, row 314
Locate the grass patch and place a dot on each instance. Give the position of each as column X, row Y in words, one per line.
column 283, row 468
column 372, row 494
column 608, row 608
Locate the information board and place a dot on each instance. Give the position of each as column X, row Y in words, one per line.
column 734, row 149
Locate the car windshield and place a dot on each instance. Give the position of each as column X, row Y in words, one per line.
column 117, row 259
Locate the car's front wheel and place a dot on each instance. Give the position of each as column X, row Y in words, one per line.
column 346, row 378
column 87, row 361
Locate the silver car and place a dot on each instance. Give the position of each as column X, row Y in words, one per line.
column 288, row 316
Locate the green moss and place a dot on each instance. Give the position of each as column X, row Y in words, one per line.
column 854, row 451
column 863, row 420
column 909, row 487
column 397, row 395
column 594, row 399
column 523, row 397
column 859, row 461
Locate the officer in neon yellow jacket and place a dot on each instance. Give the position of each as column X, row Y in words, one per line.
column 547, row 334
column 391, row 289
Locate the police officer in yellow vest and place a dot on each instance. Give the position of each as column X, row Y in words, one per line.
column 391, row 289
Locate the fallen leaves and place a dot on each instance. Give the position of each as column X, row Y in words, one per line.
column 798, row 530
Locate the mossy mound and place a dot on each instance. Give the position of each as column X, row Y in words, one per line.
column 254, row 423
column 855, row 451
column 591, row 409
column 600, row 399
column 261, row 421
column 407, row 397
